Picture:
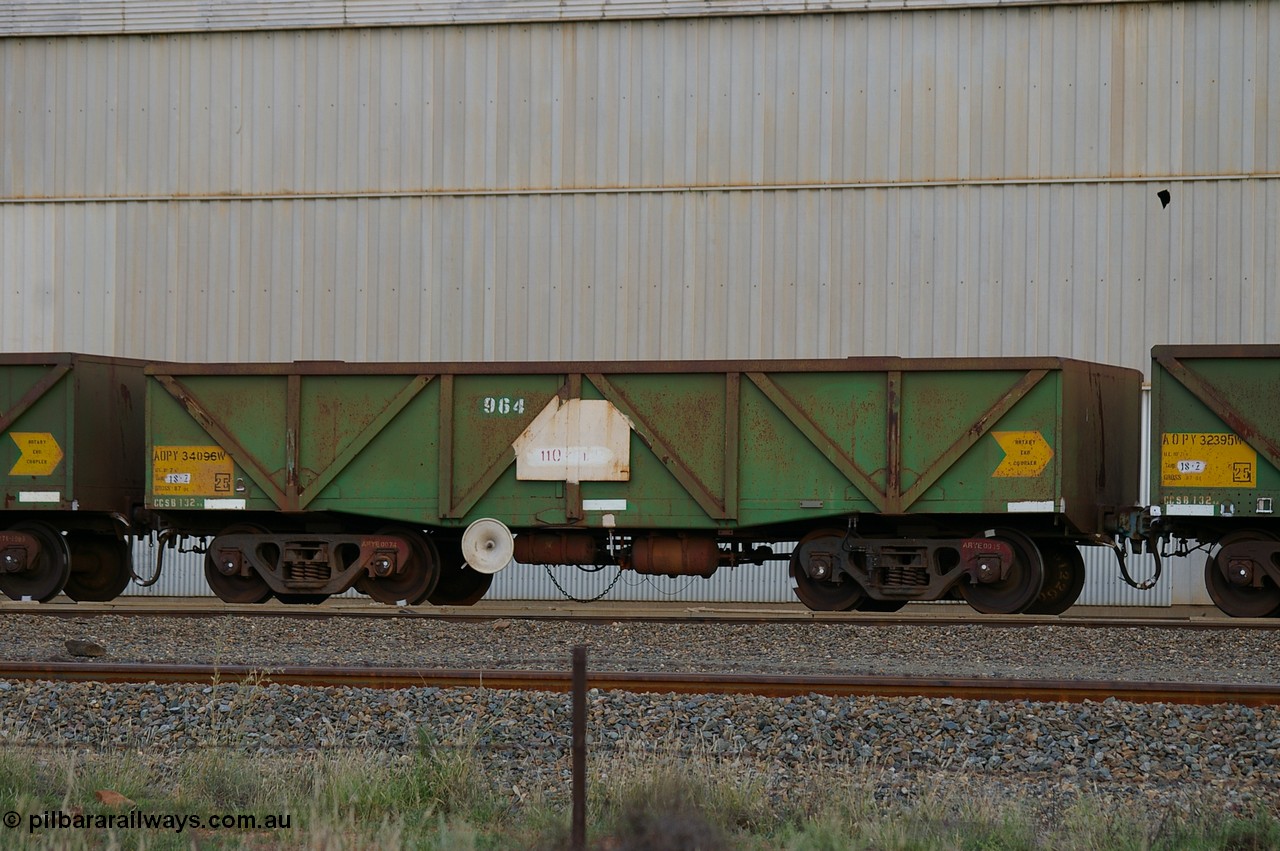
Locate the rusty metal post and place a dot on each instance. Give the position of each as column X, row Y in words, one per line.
column 579, row 836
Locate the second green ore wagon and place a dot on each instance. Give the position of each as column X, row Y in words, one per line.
column 1215, row 464
column 901, row 479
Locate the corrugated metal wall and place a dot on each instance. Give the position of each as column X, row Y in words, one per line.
column 154, row 16
column 1095, row 271
column 183, row 576
column 1054, row 93
column 974, row 182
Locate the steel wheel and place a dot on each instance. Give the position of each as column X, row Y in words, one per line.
column 1063, row 579
column 821, row 594
column 1240, row 601
column 237, row 589
column 1019, row 589
column 460, row 586
column 47, row 576
column 417, row 578
column 101, row 567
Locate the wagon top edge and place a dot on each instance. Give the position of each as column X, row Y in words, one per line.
column 1243, row 350
column 853, row 364
column 64, row 359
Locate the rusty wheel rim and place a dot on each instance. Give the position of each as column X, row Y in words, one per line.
column 415, row 582
column 1063, row 579
column 460, row 586
column 1235, row 600
column 48, row 575
column 101, row 568
column 1017, row 591
column 820, row 595
column 236, row 589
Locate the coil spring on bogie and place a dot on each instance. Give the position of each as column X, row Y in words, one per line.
column 307, row 572
column 905, row 574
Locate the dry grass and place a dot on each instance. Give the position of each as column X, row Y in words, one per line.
column 444, row 798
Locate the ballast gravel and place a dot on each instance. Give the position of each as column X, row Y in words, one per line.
column 1228, row 655
column 1144, row 755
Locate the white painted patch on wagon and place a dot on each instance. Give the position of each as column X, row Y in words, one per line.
column 1031, row 505
column 1189, row 510
column 39, row 496
column 578, row 440
column 604, row 505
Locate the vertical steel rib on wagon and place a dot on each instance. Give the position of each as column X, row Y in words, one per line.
column 903, row 479
column 1215, row 466
column 72, row 463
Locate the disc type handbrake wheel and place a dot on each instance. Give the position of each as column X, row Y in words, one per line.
column 1020, row 586
column 1240, row 601
column 818, row 584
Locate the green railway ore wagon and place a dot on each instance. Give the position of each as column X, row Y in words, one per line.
column 1215, row 465
column 72, row 461
column 902, row 479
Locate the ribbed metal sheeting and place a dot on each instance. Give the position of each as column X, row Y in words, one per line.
column 183, row 576
column 1087, row 271
column 1067, row 92
column 935, row 183
column 53, row 17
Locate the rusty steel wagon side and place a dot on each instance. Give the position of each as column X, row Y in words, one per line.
column 1215, row 466
column 72, row 462
column 902, row 479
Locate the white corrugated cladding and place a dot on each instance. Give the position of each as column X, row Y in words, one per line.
column 948, row 182
column 1080, row 270
column 62, row 17
column 183, row 576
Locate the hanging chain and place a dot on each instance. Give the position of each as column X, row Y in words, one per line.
column 569, row 596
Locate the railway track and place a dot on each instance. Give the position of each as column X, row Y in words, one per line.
column 1072, row 691
column 1185, row 617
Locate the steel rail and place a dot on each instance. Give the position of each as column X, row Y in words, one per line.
column 603, row 613
column 767, row 685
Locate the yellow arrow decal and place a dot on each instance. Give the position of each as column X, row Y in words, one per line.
column 41, row 454
column 1026, row 454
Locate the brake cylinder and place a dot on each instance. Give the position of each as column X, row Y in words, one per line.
column 675, row 556
column 555, row 549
